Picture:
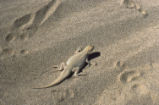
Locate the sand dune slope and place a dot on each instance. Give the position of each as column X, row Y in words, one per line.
column 37, row 34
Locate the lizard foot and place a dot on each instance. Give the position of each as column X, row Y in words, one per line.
column 79, row 74
column 61, row 67
column 92, row 64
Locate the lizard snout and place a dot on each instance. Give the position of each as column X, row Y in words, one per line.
column 90, row 48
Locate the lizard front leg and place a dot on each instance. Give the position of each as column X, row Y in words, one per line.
column 77, row 72
column 90, row 63
column 79, row 49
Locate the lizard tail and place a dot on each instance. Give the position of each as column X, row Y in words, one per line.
column 61, row 78
column 56, row 82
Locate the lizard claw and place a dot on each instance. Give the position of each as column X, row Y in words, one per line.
column 79, row 74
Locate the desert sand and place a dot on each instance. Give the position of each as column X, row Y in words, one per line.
column 37, row 34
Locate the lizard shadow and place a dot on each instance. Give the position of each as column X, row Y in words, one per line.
column 93, row 55
column 90, row 57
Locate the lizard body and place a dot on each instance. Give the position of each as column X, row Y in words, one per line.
column 76, row 62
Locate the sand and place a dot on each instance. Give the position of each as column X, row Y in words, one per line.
column 37, row 34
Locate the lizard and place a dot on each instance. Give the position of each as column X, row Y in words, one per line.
column 73, row 65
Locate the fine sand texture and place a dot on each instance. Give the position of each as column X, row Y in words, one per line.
column 35, row 35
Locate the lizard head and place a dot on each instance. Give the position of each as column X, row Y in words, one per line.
column 89, row 48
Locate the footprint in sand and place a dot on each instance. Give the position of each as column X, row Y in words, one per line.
column 10, row 37
column 22, row 28
column 27, row 25
column 129, row 76
column 18, row 26
column 61, row 95
column 24, row 52
column 6, row 52
column 119, row 66
column 131, row 4
column 140, row 89
column 20, row 22
column 24, row 37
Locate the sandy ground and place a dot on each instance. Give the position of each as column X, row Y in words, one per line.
column 37, row 34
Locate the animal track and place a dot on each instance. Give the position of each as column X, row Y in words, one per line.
column 7, row 52
column 120, row 66
column 140, row 89
column 26, row 26
column 23, row 37
column 128, row 76
column 21, row 21
column 62, row 95
column 10, row 37
column 29, row 23
column 24, row 52
column 133, row 5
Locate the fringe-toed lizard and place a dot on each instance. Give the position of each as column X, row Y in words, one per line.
column 73, row 65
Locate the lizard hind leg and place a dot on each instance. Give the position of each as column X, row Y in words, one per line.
column 61, row 67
